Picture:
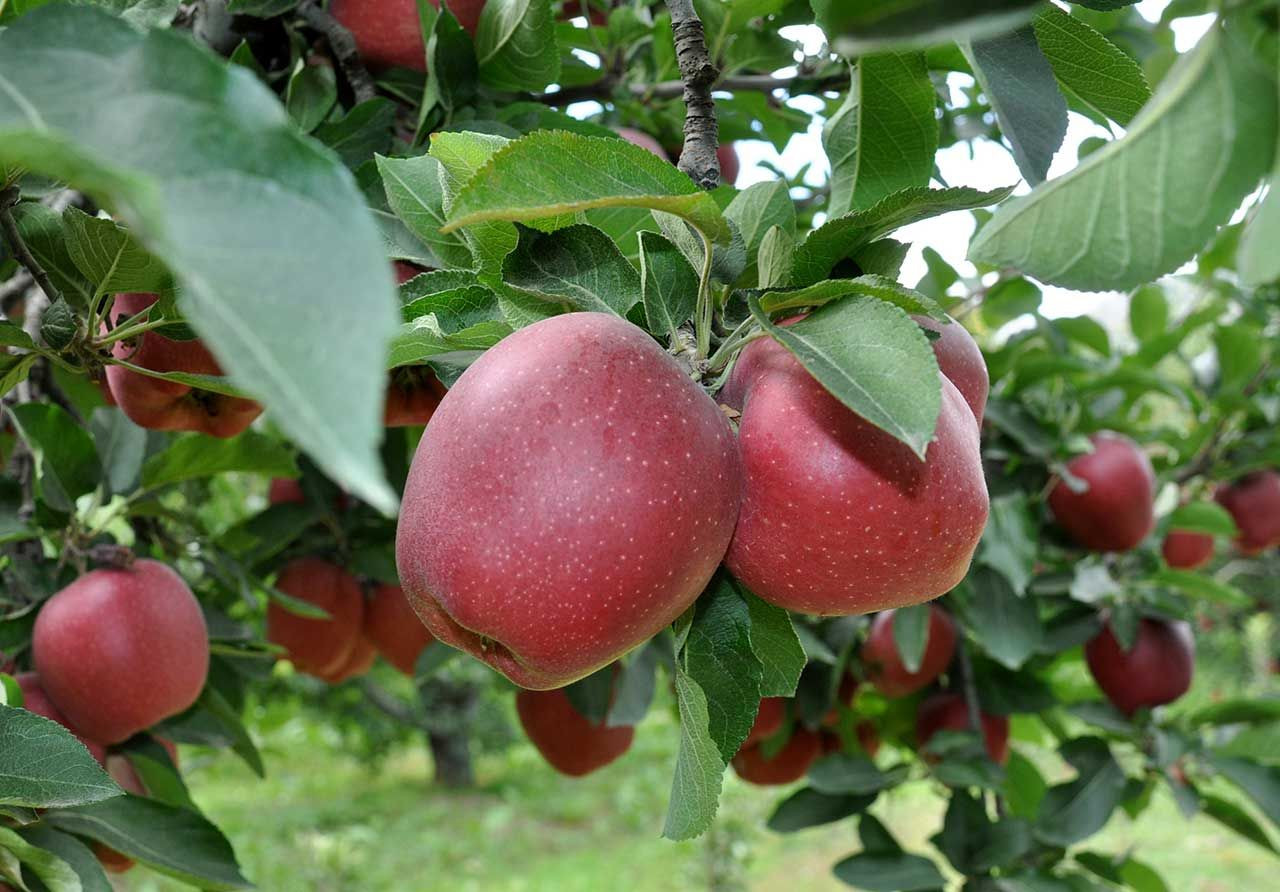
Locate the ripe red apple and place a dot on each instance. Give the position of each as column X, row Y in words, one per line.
column 387, row 32
column 949, row 712
column 960, row 360
column 1117, row 511
column 34, row 699
column 571, row 743
column 285, row 489
column 1186, row 550
column 883, row 663
column 394, row 629
column 643, row 140
column 167, row 405
column 120, row 649
column 727, row 155
column 319, row 647
column 1254, row 504
column 789, row 764
column 572, row 496
column 357, row 663
column 838, row 517
column 413, row 393
column 1156, row 671
column 769, row 719
column 404, row 271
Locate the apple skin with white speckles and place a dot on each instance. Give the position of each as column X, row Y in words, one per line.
column 838, row 517
column 573, row 494
column 1117, row 510
column 960, row 360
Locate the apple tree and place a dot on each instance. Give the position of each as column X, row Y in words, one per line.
column 440, row 335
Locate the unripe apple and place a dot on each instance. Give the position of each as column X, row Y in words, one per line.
column 949, row 712
column 789, row 764
column 643, row 140
column 387, row 32
column 769, row 718
column 961, row 361
column 1186, row 550
column 319, row 647
column 34, row 699
column 1117, row 511
column 1157, row 670
column 570, row 742
column 572, row 496
column 394, row 629
column 357, row 663
column 413, row 393
column 120, row 649
column 884, row 666
column 167, row 405
column 1254, row 503
column 838, row 517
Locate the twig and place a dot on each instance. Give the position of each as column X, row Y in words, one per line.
column 699, row 74
column 8, row 198
column 344, row 50
column 761, row 83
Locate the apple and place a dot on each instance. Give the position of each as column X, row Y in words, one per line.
column 949, row 712
column 727, row 155
column 787, row 765
column 413, row 393
column 394, row 629
column 1254, row 503
column 1116, row 511
column 285, row 489
column 838, row 517
column 167, row 405
column 404, row 271
column 643, row 140
column 319, row 647
column 34, row 699
column 120, row 649
column 357, row 663
column 388, row 32
column 1157, row 670
column 570, row 742
column 1187, row 550
column 769, row 718
column 883, row 663
column 572, row 496
column 960, row 360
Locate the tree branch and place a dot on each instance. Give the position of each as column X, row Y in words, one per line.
column 699, row 74
column 344, row 50
column 9, row 226
column 803, row 82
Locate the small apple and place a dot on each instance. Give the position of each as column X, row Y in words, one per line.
column 572, row 496
column 1186, row 550
column 643, row 140
column 960, row 360
column 727, row 155
column 570, row 742
column 34, row 699
column 1254, row 503
column 394, row 629
column 167, row 405
column 788, row 764
column 883, row 663
column 120, row 649
column 1116, row 511
column 319, row 647
column 769, row 718
column 1157, row 670
column 949, row 712
column 388, row 32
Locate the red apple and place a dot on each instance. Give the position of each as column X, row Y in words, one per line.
column 727, row 155
column 571, row 743
column 319, row 647
column 1116, row 512
column 413, row 393
column 1186, row 550
column 1254, row 504
column 404, row 271
column 394, row 629
column 285, row 489
column 120, row 649
column 34, row 699
column 769, row 718
column 167, row 405
column 960, row 360
column 643, row 140
column 868, row 738
column 357, row 663
column 949, row 712
column 838, row 517
column 387, row 32
column 1157, row 670
column 789, row 764
column 572, row 496
column 883, row 663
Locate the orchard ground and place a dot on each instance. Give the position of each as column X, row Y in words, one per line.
column 324, row 821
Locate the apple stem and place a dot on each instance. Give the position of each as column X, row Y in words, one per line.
column 699, row 75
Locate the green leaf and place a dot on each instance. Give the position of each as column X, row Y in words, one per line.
column 1011, row 540
column 311, row 93
column 1125, row 216
column 719, row 658
column 45, row 865
column 43, row 766
column 590, row 696
column 66, row 463
column 1005, row 624
column 889, row 872
column 1257, row 260
column 1239, row 352
column 58, row 325
column 121, row 446
column 1236, row 711
column 876, row 286
column 776, row 646
column 911, row 634
column 864, row 26
column 1199, row 585
column 1236, row 818
column 461, row 155
column 1104, row 76
column 453, row 71
column 883, row 138
column 1073, row 811
column 577, row 267
column 14, row 370
column 192, row 456
column 1148, row 312
column 845, row 773
column 415, row 193
column 159, row 775
column 776, row 257
column 809, row 808
column 109, row 256
column 516, row 45
column 551, row 173
column 1024, row 787
column 171, row 841
column 44, row 234
column 842, row 236
column 12, row 335
column 1019, row 84
column 695, row 788
column 873, row 358
column 1261, row 783
column 268, row 235
column 75, row 853
column 755, row 211
column 635, row 686
column 668, row 284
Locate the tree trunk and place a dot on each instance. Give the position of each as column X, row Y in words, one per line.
column 452, row 756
